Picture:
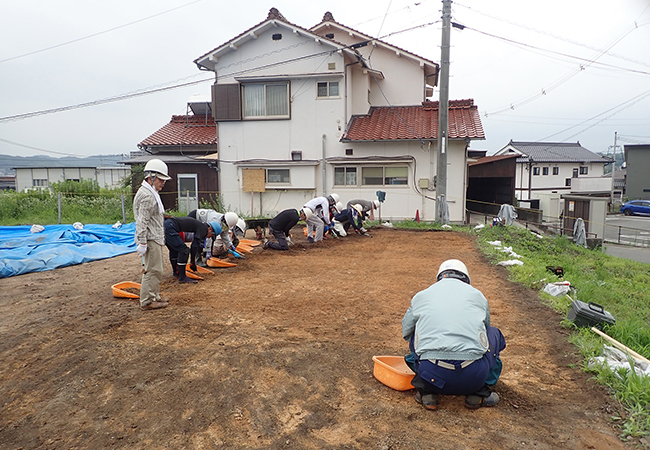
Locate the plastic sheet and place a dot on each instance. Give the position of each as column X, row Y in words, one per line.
column 60, row 246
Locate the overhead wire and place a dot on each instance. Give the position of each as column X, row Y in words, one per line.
column 98, row 33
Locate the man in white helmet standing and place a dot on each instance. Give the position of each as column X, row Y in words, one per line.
column 454, row 350
column 148, row 211
column 280, row 226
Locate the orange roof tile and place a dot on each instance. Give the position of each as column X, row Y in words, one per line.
column 184, row 130
column 416, row 122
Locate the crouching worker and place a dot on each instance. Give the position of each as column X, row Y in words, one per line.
column 178, row 251
column 280, row 226
column 454, row 350
column 350, row 217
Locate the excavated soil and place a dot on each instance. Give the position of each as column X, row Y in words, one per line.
column 276, row 353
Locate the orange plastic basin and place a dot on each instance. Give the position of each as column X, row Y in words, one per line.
column 393, row 372
column 250, row 242
column 119, row 292
column 216, row 262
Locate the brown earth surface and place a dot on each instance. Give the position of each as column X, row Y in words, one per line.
column 277, row 353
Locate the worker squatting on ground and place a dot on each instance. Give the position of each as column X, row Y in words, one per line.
column 368, row 207
column 148, row 211
column 454, row 350
column 320, row 207
column 280, row 226
column 350, row 217
column 178, row 251
column 226, row 241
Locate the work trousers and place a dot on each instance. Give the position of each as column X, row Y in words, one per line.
column 177, row 249
column 315, row 223
column 152, row 276
column 282, row 243
column 431, row 378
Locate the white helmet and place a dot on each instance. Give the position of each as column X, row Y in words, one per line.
column 307, row 212
column 359, row 208
column 455, row 269
column 339, row 206
column 231, row 219
column 158, row 167
column 333, row 199
column 241, row 225
column 376, row 204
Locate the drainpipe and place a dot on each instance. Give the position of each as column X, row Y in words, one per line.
column 324, row 168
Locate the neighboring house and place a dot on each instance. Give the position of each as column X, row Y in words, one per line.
column 546, row 170
column 637, row 163
column 307, row 112
column 30, row 177
column 7, row 183
column 188, row 145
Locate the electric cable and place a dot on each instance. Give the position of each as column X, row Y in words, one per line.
column 97, row 34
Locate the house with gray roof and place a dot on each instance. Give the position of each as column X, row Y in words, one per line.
column 546, row 170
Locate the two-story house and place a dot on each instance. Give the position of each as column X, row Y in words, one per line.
column 307, row 112
column 546, row 170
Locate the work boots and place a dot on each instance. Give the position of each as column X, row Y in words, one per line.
column 182, row 275
column 174, row 263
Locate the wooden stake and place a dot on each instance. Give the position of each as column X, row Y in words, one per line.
column 620, row 346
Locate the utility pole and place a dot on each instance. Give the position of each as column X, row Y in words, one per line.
column 443, row 105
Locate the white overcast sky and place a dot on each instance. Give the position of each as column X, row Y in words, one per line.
column 560, row 71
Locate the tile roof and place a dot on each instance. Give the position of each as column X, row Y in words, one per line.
column 556, row 152
column 490, row 159
column 184, row 130
column 415, row 123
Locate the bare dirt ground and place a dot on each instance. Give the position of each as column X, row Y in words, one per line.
column 277, row 353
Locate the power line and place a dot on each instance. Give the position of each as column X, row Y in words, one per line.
column 36, row 148
column 96, row 34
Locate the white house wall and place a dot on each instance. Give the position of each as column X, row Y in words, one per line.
column 105, row 177
column 551, row 183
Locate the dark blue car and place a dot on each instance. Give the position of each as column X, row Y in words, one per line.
column 640, row 207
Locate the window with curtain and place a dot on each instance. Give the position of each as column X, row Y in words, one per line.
column 328, row 89
column 266, row 100
column 277, row 176
column 345, row 176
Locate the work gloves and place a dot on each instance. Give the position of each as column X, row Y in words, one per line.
column 193, row 267
column 142, row 249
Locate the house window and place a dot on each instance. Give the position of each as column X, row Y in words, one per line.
column 345, row 176
column 556, row 170
column 270, row 100
column 535, row 170
column 296, row 155
column 567, row 182
column 39, row 182
column 277, row 176
column 328, row 89
column 584, row 170
column 378, row 176
column 349, row 151
column 544, row 170
column 575, row 173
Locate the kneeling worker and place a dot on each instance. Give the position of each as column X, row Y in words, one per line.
column 454, row 350
column 178, row 251
column 280, row 226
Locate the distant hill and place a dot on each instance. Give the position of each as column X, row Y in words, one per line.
column 7, row 162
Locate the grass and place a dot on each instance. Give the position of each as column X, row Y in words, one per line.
column 621, row 286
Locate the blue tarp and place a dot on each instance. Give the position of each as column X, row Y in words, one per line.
column 60, row 245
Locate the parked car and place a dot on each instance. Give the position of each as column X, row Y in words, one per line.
column 641, row 207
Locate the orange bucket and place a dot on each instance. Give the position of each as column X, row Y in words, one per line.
column 119, row 292
column 393, row 372
column 250, row 242
column 216, row 262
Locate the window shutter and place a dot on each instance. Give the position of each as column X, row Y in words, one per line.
column 226, row 102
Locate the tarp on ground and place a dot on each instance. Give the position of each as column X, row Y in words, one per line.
column 60, row 245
